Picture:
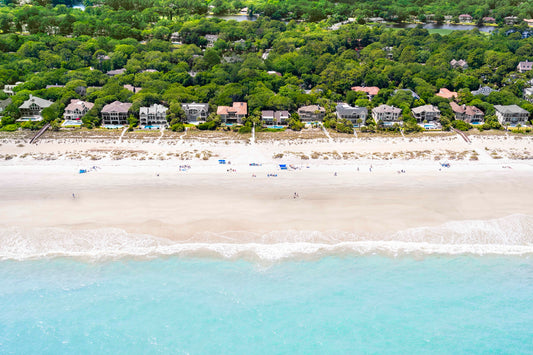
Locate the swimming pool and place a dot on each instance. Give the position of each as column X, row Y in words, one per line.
column 72, row 123
column 276, row 127
column 431, row 126
column 112, row 126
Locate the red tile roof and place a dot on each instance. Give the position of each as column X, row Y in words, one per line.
column 238, row 108
column 447, row 94
column 371, row 90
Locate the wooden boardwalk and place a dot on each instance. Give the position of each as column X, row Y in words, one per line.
column 40, row 133
column 465, row 137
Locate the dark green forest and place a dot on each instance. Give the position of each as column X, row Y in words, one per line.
column 52, row 44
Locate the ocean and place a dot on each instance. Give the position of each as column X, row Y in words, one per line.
column 251, row 300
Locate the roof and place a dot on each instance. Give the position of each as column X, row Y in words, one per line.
column 78, row 104
column 132, row 88
column 386, row 109
column 36, row 100
column 116, row 71
column 238, row 108
column 267, row 113
column 54, row 86
column 425, row 108
column 311, row 108
column 6, row 102
column 195, row 105
column 527, row 65
column 512, row 109
column 468, row 110
column 371, row 90
column 344, row 109
column 117, row 106
column 447, row 94
column 155, row 108
column 485, row 91
column 458, row 63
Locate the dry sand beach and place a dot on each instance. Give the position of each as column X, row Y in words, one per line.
column 347, row 189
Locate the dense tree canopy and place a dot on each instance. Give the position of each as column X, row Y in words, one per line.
column 271, row 64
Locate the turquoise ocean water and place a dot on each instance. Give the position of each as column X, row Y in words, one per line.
column 329, row 304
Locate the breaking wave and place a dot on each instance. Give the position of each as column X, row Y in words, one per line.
column 512, row 235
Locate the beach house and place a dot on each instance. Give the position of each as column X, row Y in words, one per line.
column 133, row 89
column 282, row 117
column 116, row 72
column 4, row 103
column 311, row 113
column 426, row 113
column 511, row 115
column 270, row 117
column 155, row 115
column 31, row 109
column 483, row 90
column 8, row 89
column 355, row 114
column 458, row 64
column 234, row 113
column 470, row 114
column 116, row 113
column 267, row 116
column 386, row 114
column 528, row 94
column 211, row 39
column 510, row 20
column 195, row 112
column 370, row 91
column 465, row 18
column 446, row 94
column 523, row 67
column 76, row 109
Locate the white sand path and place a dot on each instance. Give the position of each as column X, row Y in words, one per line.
column 122, row 134
column 158, row 140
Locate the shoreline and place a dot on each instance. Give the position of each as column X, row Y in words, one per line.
column 339, row 195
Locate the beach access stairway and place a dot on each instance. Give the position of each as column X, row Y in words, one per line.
column 40, row 133
column 465, row 137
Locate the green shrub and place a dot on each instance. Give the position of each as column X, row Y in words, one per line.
column 9, row 128
column 177, row 127
column 461, row 125
column 296, row 124
column 245, row 129
column 208, row 126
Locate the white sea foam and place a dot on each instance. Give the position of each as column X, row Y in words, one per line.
column 512, row 235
